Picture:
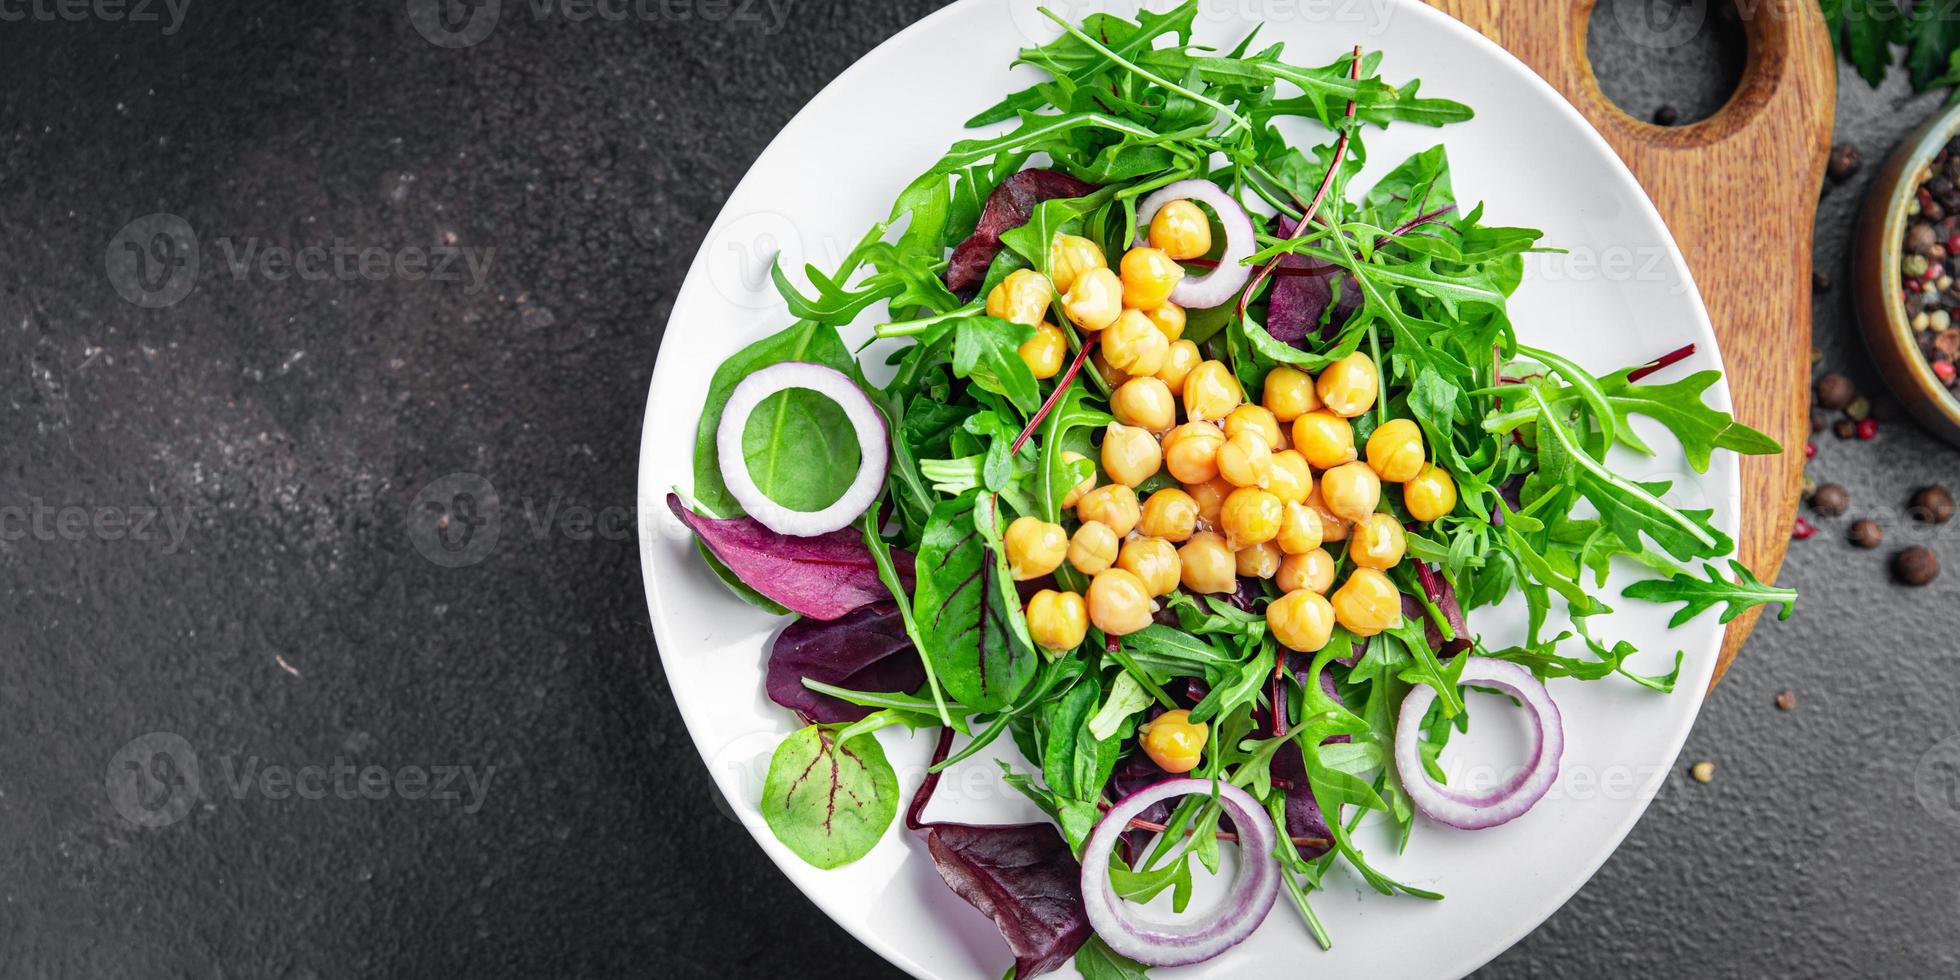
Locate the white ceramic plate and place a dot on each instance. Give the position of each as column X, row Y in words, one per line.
column 1621, row 295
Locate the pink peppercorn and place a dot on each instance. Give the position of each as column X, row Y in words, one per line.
column 1867, row 428
column 1810, row 448
column 1944, row 369
column 1802, row 529
column 1953, row 244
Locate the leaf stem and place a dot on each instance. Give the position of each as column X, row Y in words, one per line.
column 1054, row 397
column 1238, row 121
column 1319, row 195
column 881, row 555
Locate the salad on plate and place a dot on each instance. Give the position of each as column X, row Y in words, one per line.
column 1190, row 461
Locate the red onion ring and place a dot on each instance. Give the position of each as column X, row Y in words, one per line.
column 1217, row 287
column 873, row 447
column 1518, row 794
column 1254, row 886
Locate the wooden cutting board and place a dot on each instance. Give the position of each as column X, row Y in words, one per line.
column 1739, row 192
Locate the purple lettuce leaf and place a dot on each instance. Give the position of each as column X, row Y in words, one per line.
column 865, row 649
column 1298, row 302
column 823, row 577
column 1009, row 207
column 1024, row 878
column 1303, row 816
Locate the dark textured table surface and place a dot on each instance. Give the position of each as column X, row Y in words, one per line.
column 212, row 546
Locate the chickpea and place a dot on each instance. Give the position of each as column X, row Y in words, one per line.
column 1325, row 439
column 1250, row 516
column 1210, row 496
column 1256, row 420
column 1173, row 741
column 1107, row 370
column 1072, row 255
column 1289, row 394
column 1145, row 403
column 1022, row 297
column 1377, row 542
column 1093, row 548
column 1395, row 450
column 1034, row 547
column 1115, row 505
column 1169, row 319
column 1119, row 603
column 1299, row 529
column 1178, row 362
column 1430, row 494
column 1311, row 570
column 1170, row 514
column 1134, row 345
column 1333, row 527
column 1292, row 478
column 1057, row 620
column 1351, row 491
column 1210, row 392
column 1044, row 352
column 1367, row 602
column 1181, row 229
column 1095, row 299
column 1348, row 386
column 1207, row 565
column 1191, row 451
column 1301, row 620
column 1130, row 455
column 1148, row 278
column 1153, row 561
column 1244, row 461
column 1259, row 561
column 1088, row 483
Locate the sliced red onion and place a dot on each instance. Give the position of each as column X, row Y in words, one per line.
column 1175, row 944
column 1476, row 811
column 1217, row 287
column 873, row 448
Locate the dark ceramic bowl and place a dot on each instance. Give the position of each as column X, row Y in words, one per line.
column 1875, row 278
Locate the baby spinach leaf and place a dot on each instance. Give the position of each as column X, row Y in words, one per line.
column 967, row 611
column 771, row 446
column 1096, row 961
column 829, row 801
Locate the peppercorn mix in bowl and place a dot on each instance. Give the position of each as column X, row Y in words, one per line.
column 1907, row 251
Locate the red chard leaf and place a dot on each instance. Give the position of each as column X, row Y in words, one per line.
column 822, row 577
column 866, row 649
column 1009, row 206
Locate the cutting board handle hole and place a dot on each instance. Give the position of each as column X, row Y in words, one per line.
column 1687, row 55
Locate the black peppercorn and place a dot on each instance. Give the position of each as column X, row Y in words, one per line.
column 1933, row 505
column 1834, row 391
column 1831, row 500
column 1845, row 429
column 1933, row 210
column 1916, row 566
column 1819, row 282
column 1666, row 115
column 1919, row 238
column 1844, row 161
column 1819, row 420
column 1866, row 534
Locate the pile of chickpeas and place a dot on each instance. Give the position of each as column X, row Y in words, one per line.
column 1263, row 488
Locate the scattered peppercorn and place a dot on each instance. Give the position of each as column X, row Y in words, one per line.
column 1819, row 420
column 1834, row 391
column 1786, row 701
column 1933, row 505
column 1916, row 566
column 1844, row 161
column 1845, row 428
column 1858, row 409
column 1666, row 115
column 1866, row 534
column 1831, row 500
column 1702, row 771
column 1819, row 282
column 1868, row 428
column 1802, row 529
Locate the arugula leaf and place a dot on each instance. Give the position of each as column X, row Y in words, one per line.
column 829, row 800
column 1739, row 595
column 987, row 351
column 1096, row 961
